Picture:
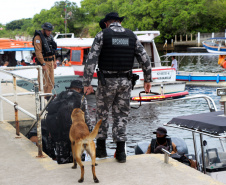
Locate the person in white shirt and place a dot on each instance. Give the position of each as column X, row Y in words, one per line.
column 174, row 63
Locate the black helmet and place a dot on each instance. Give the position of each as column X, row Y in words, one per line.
column 47, row 26
column 75, row 83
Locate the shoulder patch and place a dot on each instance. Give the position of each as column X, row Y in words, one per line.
column 37, row 41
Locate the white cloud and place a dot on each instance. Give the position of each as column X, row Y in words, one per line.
column 17, row 9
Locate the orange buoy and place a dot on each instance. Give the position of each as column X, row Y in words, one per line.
column 224, row 65
column 221, row 60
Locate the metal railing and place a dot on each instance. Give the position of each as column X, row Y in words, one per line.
column 39, row 100
column 209, row 100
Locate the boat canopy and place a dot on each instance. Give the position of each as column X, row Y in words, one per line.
column 21, row 49
column 212, row 122
column 192, row 54
column 217, row 38
column 17, row 49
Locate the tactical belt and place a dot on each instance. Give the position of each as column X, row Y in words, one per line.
column 49, row 59
column 116, row 75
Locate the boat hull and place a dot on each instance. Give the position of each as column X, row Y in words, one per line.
column 200, row 77
column 214, row 49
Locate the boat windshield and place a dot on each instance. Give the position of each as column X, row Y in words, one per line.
column 215, row 156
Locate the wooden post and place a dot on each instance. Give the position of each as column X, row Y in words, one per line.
column 186, row 37
column 172, row 42
column 225, row 36
column 191, row 37
column 198, row 39
column 180, row 38
column 212, row 34
column 176, row 37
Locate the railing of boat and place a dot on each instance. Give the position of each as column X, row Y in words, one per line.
column 212, row 107
column 39, row 100
column 209, row 100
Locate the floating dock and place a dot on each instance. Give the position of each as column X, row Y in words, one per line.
column 20, row 166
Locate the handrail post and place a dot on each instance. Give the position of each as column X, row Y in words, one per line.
column 203, row 155
column 39, row 127
column 1, row 107
column 15, row 107
column 16, row 119
column 167, row 154
column 195, row 147
column 41, row 86
column 14, row 88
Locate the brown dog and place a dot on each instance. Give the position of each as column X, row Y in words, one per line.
column 82, row 140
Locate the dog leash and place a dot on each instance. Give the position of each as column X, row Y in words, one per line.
column 83, row 97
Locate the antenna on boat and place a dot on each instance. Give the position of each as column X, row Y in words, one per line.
column 222, row 92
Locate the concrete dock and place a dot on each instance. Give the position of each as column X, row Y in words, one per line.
column 20, row 166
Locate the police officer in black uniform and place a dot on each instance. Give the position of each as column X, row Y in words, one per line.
column 114, row 49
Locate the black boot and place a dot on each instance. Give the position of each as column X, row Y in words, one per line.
column 120, row 152
column 101, row 148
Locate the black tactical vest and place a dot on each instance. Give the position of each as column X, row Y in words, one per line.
column 48, row 45
column 117, row 53
column 154, row 144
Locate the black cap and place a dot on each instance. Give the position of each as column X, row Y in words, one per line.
column 47, row 26
column 75, row 84
column 161, row 131
column 102, row 24
column 113, row 16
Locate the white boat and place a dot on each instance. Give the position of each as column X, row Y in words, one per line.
column 210, row 152
column 198, row 78
column 215, row 45
column 77, row 49
column 162, row 76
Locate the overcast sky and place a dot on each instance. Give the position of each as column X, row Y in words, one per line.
column 17, row 9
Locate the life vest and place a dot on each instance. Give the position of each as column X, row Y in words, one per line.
column 49, row 46
column 154, row 144
column 221, row 59
column 118, row 50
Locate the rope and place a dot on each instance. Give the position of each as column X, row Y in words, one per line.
column 49, row 80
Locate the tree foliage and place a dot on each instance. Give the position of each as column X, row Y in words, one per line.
column 169, row 17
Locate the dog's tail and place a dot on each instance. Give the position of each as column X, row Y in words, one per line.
column 94, row 133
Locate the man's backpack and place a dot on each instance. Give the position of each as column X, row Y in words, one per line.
column 58, row 119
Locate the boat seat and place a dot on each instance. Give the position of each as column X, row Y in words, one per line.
column 212, row 156
column 222, row 156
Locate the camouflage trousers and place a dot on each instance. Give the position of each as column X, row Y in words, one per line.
column 116, row 95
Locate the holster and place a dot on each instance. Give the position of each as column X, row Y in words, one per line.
column 100, row 76
column 135, row 77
